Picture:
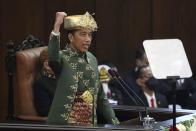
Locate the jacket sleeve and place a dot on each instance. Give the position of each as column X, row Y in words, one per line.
column 104, row 107
column 54, row 53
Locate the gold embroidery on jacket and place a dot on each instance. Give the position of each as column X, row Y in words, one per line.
column 74, row 65
column 115, row 122
column 74, row 88
column 67, row 57
column 88, row 67
column 91, row 89
column 73, row 53
column 86, row 82
column 93, row 75
column 80, row 74
column 65, row 116
column 70, row 97
column 80, row 60
column 95, row 98
column 76, row 78
column 68, row 106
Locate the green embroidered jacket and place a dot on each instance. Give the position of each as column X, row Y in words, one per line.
column 78, row 73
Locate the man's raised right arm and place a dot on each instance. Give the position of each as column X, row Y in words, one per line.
column 54, row 42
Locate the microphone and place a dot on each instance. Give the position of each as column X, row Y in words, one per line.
column 147, row 121
column 130, row 96
column 116, row 76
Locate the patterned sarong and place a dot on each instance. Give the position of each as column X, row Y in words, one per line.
column 82, row 111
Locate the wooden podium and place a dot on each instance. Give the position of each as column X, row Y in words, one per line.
column 163, row 117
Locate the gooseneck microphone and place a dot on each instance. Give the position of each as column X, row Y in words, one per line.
column 121, row 82
column 111, row 72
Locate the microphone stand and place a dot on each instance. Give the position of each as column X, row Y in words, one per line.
column 116, row 77
column 174, row 80
column 130, row 96
column 141, row 101
column 146, row 120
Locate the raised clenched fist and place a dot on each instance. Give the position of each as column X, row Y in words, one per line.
column 58, row 21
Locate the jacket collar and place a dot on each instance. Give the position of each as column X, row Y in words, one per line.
column 75, row 53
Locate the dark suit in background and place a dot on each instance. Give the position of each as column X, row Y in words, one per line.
column 185, row 93
column 161, row 100
column 44, row 89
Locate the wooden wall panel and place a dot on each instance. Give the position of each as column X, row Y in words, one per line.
column 18, row 19
column 3, row 78
column 123, row 25
column 176, row 19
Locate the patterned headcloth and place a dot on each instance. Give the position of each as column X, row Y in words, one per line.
column 80, row 22
column 43, row 55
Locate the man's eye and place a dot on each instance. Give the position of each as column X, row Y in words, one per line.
column 83, row 34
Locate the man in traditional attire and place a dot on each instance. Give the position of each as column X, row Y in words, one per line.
column 79, row 93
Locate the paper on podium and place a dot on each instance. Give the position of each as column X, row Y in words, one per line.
column 167, row 58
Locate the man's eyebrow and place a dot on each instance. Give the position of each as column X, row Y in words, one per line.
column 82, row 32
column 86, row 32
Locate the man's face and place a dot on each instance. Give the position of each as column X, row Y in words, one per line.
column 81, row 39
column 146, row 74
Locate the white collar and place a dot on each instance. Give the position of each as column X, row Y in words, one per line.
column 148, row 97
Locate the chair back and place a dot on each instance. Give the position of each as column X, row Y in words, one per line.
column 27, row 68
